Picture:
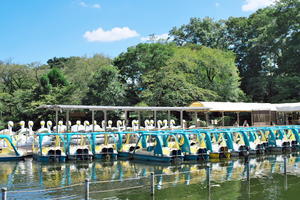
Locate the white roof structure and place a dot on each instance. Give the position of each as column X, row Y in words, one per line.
column 288, row 107
column 246, row 107
column 123, row 108
column 198, row 106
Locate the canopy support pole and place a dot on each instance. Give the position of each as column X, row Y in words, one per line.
column 126, row 120
column 105, row 119
column 139, row 120
column 93, row 119
column 195, row 119
column 286, row 118
column 181, row 119
column 67, row 120
column 206, row 118
column 238, row 118
column 155, row 119
column 223, row 121
column 252, row 119
column 56, row 120
column 169, row 118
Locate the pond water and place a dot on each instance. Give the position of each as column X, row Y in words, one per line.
column 213, row 180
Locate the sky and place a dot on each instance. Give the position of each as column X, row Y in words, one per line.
column 37, row 30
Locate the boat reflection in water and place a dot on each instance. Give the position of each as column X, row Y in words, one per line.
column 31, row 175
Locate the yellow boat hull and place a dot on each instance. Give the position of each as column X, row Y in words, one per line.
column 218, row 155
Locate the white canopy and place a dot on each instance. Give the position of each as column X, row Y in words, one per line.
column 246, row 107
column 123, row 108
column 288, row 107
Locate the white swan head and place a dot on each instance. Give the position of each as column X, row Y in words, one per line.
column 86, row 123
column 165, row 121
column 60, row 123
column 135, row 122
column 78, row 122
column 10, row 124
column 119, row 123
column 95, row 122
column 147, row 122
column 42, row 123
column 152, row 122
column 49, row 123
column 22, row 123
column 109, row 122
column 172, row 121
column 69, row 123
column 30, row 124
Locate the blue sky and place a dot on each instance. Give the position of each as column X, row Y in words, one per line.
column 37, row 30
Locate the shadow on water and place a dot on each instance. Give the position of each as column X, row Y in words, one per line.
column 256, row 178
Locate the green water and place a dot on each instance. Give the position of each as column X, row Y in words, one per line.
column 227, row 179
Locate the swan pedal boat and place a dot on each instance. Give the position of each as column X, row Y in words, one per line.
column 155, row 149
column 104, row 145
column 79, row 146
column 278, row 142
column 49, row 147
column 8, row 151
column 127, row 142
column 193, row 146
column 218, row 147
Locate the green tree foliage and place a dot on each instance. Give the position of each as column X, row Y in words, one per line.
column 187, row 74
column 206, row 32
column 266, row 45
column 105, row 88
column 56, row 78
column 171, row 88
column 210, row 69
column 57, row 62
column 137, row 61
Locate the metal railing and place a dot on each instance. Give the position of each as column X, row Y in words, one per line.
column 86, row 185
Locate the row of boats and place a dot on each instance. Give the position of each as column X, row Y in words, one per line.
column 175, row 145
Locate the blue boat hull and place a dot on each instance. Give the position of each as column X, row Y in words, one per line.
column 12, row 158
column 80, row 157
column 112, row 156
column 157, row 158
column 50, row 158
column 196, row 157
column 124, row 154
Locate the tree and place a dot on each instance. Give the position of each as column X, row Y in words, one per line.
column 209, row 69
column 170, row 87
column 105, row 88
column 139, row 60
column 266, row 44
column 206, row 32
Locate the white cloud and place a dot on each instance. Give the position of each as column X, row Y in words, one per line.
column 160, row 37
column 253, row 5
column 115, row 34
column 83, row 4
column 96, row 5
column 217, row 4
